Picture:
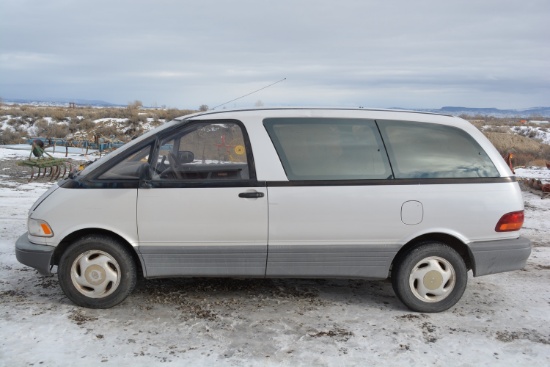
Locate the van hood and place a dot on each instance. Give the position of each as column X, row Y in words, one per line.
column 43, row 197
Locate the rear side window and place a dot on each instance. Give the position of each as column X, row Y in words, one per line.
column 421, row 150
column 328, row 149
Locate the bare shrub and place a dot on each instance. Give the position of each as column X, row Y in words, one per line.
column 136, row 105
column 22, row 128
column 497, row 129
column 50, row 129
column 40, row 127
column 525, row 150
column 33, row 113
column 172, row 113
column 107, row 131
column 74, row 125
column 86, row 124
column 156, row 123
column 9, row 136
column 478, row 124
column 58, row 113
column 12, row 122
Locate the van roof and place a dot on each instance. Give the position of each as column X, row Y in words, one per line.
column 267, row 112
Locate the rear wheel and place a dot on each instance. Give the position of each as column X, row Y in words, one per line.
column 97, row 272
column 430, row 277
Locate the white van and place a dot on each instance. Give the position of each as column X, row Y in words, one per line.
column 354, row 193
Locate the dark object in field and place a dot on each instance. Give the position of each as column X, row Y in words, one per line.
column 47, row 166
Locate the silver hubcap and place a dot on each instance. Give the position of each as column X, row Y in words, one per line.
column 432, row 279
column 95, row 274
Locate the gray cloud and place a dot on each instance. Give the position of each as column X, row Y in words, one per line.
column 185, row 53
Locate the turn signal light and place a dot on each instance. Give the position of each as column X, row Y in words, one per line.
column 510, row 222
column 39, row 228
column 46, row 229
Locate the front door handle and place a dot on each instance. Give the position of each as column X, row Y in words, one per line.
column 251, row 195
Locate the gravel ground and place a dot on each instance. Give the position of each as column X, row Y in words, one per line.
column 16, row 173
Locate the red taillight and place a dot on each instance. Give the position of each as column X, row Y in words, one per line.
column 510, row 222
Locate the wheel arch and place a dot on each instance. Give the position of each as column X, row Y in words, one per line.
column 68, row 241
column 456, row 244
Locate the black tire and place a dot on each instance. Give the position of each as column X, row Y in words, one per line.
column 97, row 272
column 430, row 277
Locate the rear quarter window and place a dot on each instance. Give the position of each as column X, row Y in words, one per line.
column 422, row 150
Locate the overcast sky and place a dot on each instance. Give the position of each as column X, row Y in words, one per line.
column 392, row 53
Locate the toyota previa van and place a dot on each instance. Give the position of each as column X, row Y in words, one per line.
column 295, row 193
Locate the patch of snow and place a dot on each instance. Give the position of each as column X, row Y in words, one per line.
column 538, row 173
column 534, row 132
column 540, row 133
column 112, row 120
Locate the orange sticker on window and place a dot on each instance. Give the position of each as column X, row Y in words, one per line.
column 239, row 149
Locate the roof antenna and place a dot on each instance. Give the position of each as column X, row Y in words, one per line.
column 246, row 95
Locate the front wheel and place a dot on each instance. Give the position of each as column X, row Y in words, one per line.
column 97, row 272
column 430, row 277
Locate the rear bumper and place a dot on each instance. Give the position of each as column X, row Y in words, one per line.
column 490, row 257
column 35, row 256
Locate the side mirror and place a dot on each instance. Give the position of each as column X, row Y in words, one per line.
column 186, row 157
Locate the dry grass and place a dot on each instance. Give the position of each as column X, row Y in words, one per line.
column 527, row 152
column 59, row 114
column 505, row 142
column 59, row 122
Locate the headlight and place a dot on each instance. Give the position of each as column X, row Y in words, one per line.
column 39, row 228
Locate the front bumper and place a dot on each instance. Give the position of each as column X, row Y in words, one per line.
column 490, row 257
column 33, row 255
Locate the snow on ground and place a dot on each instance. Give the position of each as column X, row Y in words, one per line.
column 502, row 319
column 4, row 122
column 538, row 173
column 541, row 133
column 111, row 120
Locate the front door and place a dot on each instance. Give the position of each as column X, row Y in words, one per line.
column 203, row 212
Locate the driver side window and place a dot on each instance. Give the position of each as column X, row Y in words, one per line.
column 210, row 151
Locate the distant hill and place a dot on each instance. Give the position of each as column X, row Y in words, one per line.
column 447, row 110
column 61, row 102
column 471, row 111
